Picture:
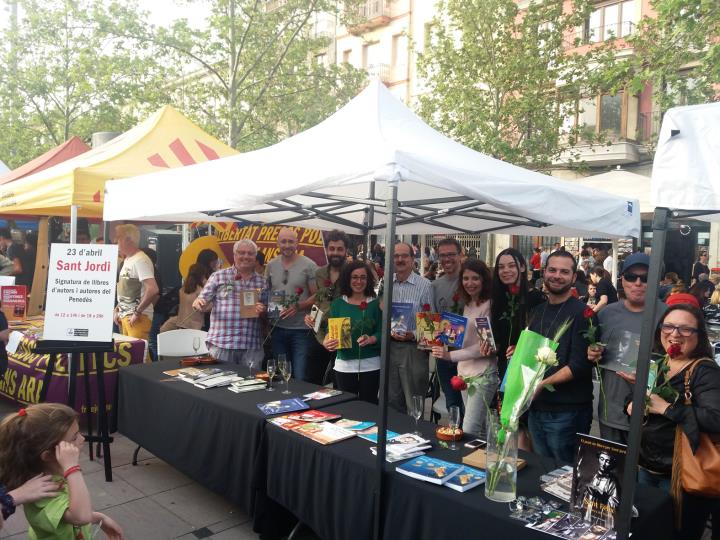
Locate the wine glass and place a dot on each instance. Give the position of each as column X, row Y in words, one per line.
column 416, row 411
column 196, row 344
column 454, row 424
column 285, row 367
column 271, row 368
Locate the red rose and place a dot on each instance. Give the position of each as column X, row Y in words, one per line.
column 299, row 291
column 574, row 292
column 456, row 297
column 458, row 383
column 237, row 277
column 514, row 289
column 421, row 315
column 363, row 305
column 327, row 283
column 426, row 307
column 588, row 312
column 674, row 350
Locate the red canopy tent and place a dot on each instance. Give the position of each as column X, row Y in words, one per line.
column 70, row 148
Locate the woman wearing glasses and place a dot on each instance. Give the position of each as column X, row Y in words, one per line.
column 682, row 336
column 357, row 369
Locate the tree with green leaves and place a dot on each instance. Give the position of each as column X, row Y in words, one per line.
column 61, row 74
column 676, row 51
column 503, row 80
column 250, row 76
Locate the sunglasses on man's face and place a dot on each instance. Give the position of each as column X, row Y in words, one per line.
column 632, row 278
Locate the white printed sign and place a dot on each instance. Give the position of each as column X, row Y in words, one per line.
column 80, row 292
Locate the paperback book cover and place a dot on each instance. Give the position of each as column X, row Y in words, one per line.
column 484, row 331
column 13, row 300
column 316, row 315
column 313, row 416
column 372, row 434
column 323, row 394
column 597, row 480
column 248, row 299
column 392, row 458
column 194, row 374
column 428, row 469
column 275, row 304
column 285, row 423
column 354, row 425
column 406, row 443
column 324, row 432
column 340, row 328
column 427, row 329
column 400, row 316
column 452, row 329
column 621, row 350
column 283, row 406
column 466, row 479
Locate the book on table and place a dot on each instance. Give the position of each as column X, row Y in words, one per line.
column 323, row 432
column 221, row 379
column 406, row 443
column 452, row 329
column 427, row 330
column 371, row 434
column 429, row 469
column 340, row 328
column 247, row 385
column 466, row 479
column 285, row 423
column 354, row 425
column 283, row 406
column 392, row 458
column 313, row 415
column 401, row 314
column 323, row 394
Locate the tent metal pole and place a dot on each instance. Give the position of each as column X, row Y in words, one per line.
column 647, row 337
column 73, row 223
column 616, row 258
column 370, row 221
column 392, row 206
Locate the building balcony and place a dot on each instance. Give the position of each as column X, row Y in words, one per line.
column 371, row 14
column 602, row 155
column 380, row 71
column 604, row 33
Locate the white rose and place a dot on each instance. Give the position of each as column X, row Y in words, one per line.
column 547, row 356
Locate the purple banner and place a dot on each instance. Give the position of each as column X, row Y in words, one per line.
column 23, row 379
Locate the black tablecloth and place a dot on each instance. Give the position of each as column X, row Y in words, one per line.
column 211, row 435
column 330, row 488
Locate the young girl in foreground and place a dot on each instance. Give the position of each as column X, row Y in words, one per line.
column 45, row 438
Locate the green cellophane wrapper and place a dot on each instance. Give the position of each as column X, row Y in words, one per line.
column 515, row 384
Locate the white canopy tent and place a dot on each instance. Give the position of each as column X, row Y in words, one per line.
column 623, row 184
column 374, row 165
column 329, row 175
column 3, row 168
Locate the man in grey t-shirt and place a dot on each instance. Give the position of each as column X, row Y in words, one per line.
column 294, row 275
column 620, row 325
column 444, row 288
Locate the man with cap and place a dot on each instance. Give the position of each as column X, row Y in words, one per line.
column 620, row 325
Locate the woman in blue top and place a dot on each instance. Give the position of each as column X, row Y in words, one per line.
column 357, row 369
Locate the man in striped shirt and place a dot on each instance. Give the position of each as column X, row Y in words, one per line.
column 233, row 338
column 409, row 367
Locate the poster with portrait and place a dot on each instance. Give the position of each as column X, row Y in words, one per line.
column 597, row 480
column 621, row 350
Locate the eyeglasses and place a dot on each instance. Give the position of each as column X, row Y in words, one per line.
column 448, row 255
column 684, row 331
column 632, row 278
column 358, row 278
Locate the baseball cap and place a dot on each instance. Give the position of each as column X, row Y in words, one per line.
column 636, row 259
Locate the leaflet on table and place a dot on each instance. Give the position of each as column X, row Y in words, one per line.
column 354, row 425
column 563, row 525
column 466, row 479
column 597, row 480
column 313, row 415
column 390, row 458
column 340, row 328
column 276, row 302
column 372, row 434
column 559, row 486
column 406, row 443
column 427, row 330
column 283, row 406
column 429, row 469
column 484, row 331
column 401, row 313
column 323, row 432
column 452, row 329
column 323, row 394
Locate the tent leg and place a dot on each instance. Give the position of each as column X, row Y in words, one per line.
column 392, row 206
column 369, row 222
column 616, row 258
column 647, row 336
column 73, row 223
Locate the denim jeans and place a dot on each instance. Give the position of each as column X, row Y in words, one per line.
column 554, row 433
column 446, row 370
column 294, row 344
column 659, row 481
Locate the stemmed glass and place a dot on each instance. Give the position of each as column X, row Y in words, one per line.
column 271, row 368
column 416, row 411
column 285, row 367
column 454, row 424
column 196, row 344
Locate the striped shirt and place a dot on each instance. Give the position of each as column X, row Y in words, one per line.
column 227, row 329
column 415, row 290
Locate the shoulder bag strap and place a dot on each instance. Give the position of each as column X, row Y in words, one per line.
column 688, row 375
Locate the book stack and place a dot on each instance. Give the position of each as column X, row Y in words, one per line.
column 558, row 483
column 323, row 432
column 224, row 378
column 405, row 446
column 466, row 479
column 247, row 385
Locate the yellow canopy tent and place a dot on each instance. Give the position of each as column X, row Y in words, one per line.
column 165, row 140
